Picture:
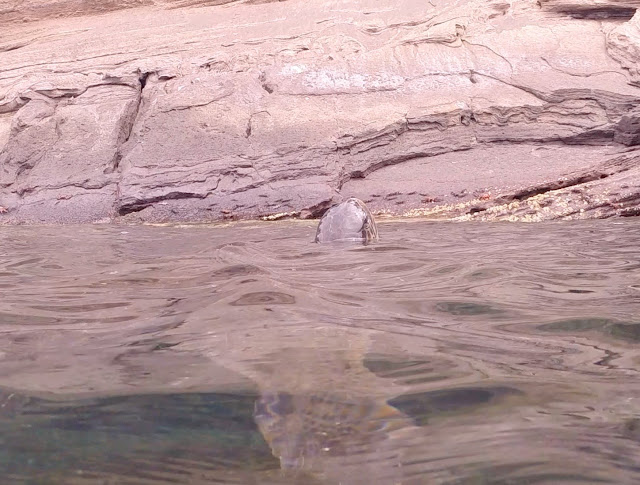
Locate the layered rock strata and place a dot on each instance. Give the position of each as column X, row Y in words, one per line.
column 161, row 110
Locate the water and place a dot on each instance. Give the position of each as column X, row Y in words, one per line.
column 446, row 353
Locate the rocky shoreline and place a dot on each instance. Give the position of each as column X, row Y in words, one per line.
column 196, row 110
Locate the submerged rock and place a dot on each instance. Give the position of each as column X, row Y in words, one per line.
column 347, row 221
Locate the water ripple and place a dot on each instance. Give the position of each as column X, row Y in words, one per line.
column 446, row 353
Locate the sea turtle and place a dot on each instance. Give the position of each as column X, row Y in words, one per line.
column 308, row 431
column 328, row 412
column 348, row 221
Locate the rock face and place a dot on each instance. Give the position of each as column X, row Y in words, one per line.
column 199, row 110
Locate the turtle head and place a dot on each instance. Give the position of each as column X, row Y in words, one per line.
column 348, row 221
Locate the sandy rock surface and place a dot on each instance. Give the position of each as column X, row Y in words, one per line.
column 196, row 110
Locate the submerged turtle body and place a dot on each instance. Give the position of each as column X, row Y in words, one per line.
column 306, row 431
column 347, row 221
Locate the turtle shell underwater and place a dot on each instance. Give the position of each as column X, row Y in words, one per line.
column 348, row 221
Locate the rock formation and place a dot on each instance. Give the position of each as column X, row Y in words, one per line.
column 200, row 110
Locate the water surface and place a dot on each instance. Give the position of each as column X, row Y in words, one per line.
column 445, row 353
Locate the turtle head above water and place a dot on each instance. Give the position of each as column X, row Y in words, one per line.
column 348, row 221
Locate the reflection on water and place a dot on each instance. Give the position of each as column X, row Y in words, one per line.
column 446, row 353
